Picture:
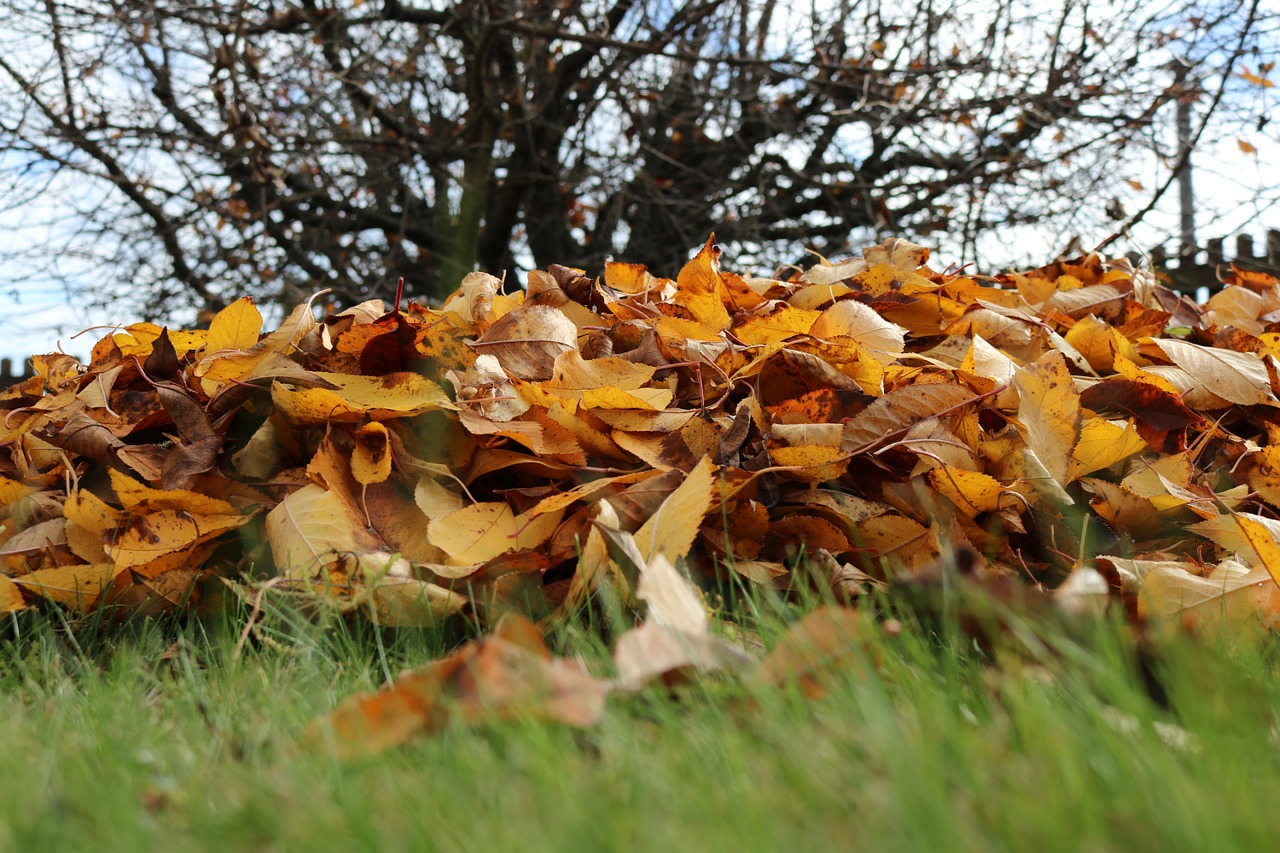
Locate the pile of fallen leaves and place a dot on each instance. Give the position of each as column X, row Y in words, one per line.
column 1078, row 425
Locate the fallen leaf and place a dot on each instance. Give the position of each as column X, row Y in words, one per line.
column 898, row 411
column 1102, row 444
column 822, row 646
column 1049, row 412
column 371, row 457
column 676, row 634
column 671, row 530
column 235, row 327
column 861, row 324
column 310, row 525
column 529, row 341
column 357, row 398
column 11, row 600
column 508, row 675
column 1236, row 376
column 482, row 531
column 1236, row 604
column 75, row 587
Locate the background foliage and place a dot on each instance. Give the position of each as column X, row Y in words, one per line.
column 180, row 154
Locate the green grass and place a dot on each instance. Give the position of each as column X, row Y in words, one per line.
column 127, row 747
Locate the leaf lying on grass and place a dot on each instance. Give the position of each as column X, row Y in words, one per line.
column 508, row 674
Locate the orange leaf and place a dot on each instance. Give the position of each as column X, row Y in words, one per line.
column 496, row 678
column 700, row 289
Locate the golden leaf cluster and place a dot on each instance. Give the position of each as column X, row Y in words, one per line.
column 518, row 448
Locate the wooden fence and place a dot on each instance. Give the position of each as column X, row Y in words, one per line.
column 7, row 375
column 1203, row 269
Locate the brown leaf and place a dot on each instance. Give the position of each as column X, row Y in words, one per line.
column 1157, row 409
column 896, row 412
column 528, row 341
column 506, row 676
column 825, row 644
column 1237, row 376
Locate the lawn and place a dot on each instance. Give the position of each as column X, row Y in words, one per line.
column 157, row 735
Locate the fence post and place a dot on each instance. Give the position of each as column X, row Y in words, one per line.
column 1187, row 276
column 9, row 376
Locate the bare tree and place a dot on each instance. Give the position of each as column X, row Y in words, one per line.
column 183, row 152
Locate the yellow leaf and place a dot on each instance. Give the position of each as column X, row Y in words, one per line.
column 1239, row 377
column 90, row 512
column 1239, row 603
column 1246, row 146
column 136, row 339
column 903, row 255
column 573, row 374
column 135, row 496
column 371, row 456
column 815, row 296
column 11, row 600
column 628, row 278
column 1127, row 369
column 971, row 491
column 435, row 500
column 1103, row 444
column 235, row 327
column 1263, row 542
column 483, row 531
column 861, row 324
column 1096, row 341
column 1258, row 80
column 76, row 587
column 782, row 322
column 608, row 397
column 144, row 539
column 814, row 463
column 412, row 603
column 700, row 289
column 357, row 398
column 897, row 536
column 309, row 525
column 1262, row 472
column 1049, row 412
column 12, row 491
column 670, row 531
